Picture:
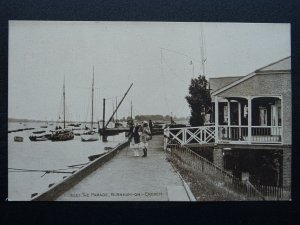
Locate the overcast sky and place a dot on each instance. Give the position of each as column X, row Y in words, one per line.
column 154, row 56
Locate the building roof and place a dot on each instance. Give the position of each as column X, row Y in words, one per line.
column 283, row 65
column 219, row 82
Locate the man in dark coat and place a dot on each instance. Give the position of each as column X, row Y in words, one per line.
column 151, row 127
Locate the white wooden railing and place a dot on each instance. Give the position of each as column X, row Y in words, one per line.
column 190, row 135
column 225, row 134
column 258, row 135
column 267, row 134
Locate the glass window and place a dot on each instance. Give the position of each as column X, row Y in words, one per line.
column 225, row 114
column 279, row 115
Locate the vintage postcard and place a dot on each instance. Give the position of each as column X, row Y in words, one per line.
column 149, row 111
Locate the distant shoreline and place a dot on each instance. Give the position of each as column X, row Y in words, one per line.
column 48, row 121
column 24, row 120
column 14, row 120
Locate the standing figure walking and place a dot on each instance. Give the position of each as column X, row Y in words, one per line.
column 145, row 137
column 134, row 138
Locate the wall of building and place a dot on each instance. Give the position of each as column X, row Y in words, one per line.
column 218, row 157
column 286, row 167
column 268, row 84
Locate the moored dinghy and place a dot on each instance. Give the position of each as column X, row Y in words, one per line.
column 62, row 135
column 38, row 132
column 18, row 139
column 90, row 136
column 44, row 137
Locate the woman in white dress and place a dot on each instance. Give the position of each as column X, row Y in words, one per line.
column 145, row 136
column 135, row 140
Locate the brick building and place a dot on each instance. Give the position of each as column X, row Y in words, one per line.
column 255, row 112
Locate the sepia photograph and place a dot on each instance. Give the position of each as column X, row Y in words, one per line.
column 149, row 111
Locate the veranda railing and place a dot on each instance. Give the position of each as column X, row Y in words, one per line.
column 258, row 134
column 226, row 134
column 192, row 135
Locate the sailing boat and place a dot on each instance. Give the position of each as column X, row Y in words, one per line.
column 118, row 124
column 62, row 134
column 91, row 135
column 130, row 120
column 112, row 131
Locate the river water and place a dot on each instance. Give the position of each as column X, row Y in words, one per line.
column 46, row 155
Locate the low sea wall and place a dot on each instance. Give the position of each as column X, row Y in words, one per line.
column 58, row 189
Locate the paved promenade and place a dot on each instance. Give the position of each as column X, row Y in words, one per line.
column 129, row 178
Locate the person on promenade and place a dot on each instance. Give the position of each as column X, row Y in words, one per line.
column 134, row 138
column 129, row 134
column 145, row 137
column 151, row 127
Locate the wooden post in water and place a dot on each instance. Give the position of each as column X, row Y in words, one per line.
column 103, row 120
column 104, row 138
column 64, row 96
column 92, row 101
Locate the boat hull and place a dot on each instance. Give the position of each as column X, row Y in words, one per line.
column 89, row 139
column 112, row 131
column 38, row 138
column 18, row 139
column 38, row 132
column 86, row 138
column 62, row 135
column 62, row 138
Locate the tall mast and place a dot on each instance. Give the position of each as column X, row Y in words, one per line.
column 64, row 96
column 113, row 106
column 92, row 99
column 116, row 110
column 203, row 59
column 131, row 109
